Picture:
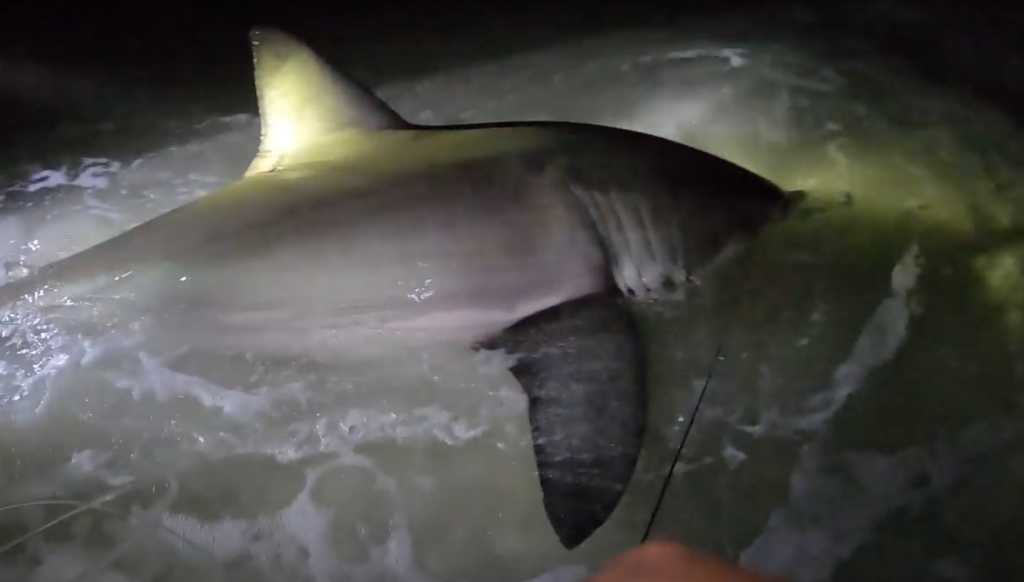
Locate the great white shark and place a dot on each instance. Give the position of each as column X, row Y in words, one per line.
column 355, row 234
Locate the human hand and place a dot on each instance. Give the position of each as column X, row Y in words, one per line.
column 671, row 562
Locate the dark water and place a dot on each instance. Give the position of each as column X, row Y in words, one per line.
column 94, row 62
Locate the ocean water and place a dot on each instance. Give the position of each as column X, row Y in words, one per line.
column 864, row 419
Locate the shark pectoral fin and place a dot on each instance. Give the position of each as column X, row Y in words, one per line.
column 581, row 366
column 301, row 99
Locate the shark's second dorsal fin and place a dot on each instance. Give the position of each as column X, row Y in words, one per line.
column 301, row 99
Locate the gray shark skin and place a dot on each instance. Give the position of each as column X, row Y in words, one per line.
column 355, row 234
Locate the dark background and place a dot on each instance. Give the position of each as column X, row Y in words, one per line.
column 59, row 59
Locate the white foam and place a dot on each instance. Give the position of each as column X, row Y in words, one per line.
column 836, row 501
column 90, row 173
column 829, row 517
column 879, row 340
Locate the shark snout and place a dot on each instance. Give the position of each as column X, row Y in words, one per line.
column 790, row 200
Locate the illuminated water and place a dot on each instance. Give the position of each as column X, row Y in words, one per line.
column 864, row 421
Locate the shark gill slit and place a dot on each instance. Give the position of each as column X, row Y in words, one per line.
column 643, row 262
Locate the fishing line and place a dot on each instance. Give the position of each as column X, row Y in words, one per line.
column 682, row 442
column 744, row 263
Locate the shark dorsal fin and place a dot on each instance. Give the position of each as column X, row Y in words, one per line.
column 301, row 99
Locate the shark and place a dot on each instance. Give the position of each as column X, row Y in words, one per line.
column 355, row 234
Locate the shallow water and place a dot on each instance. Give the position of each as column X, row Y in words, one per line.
column 863, row 420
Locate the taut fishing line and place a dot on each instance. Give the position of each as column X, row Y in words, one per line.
column 682, row 443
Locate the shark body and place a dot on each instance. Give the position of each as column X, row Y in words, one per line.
column 354, row 234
